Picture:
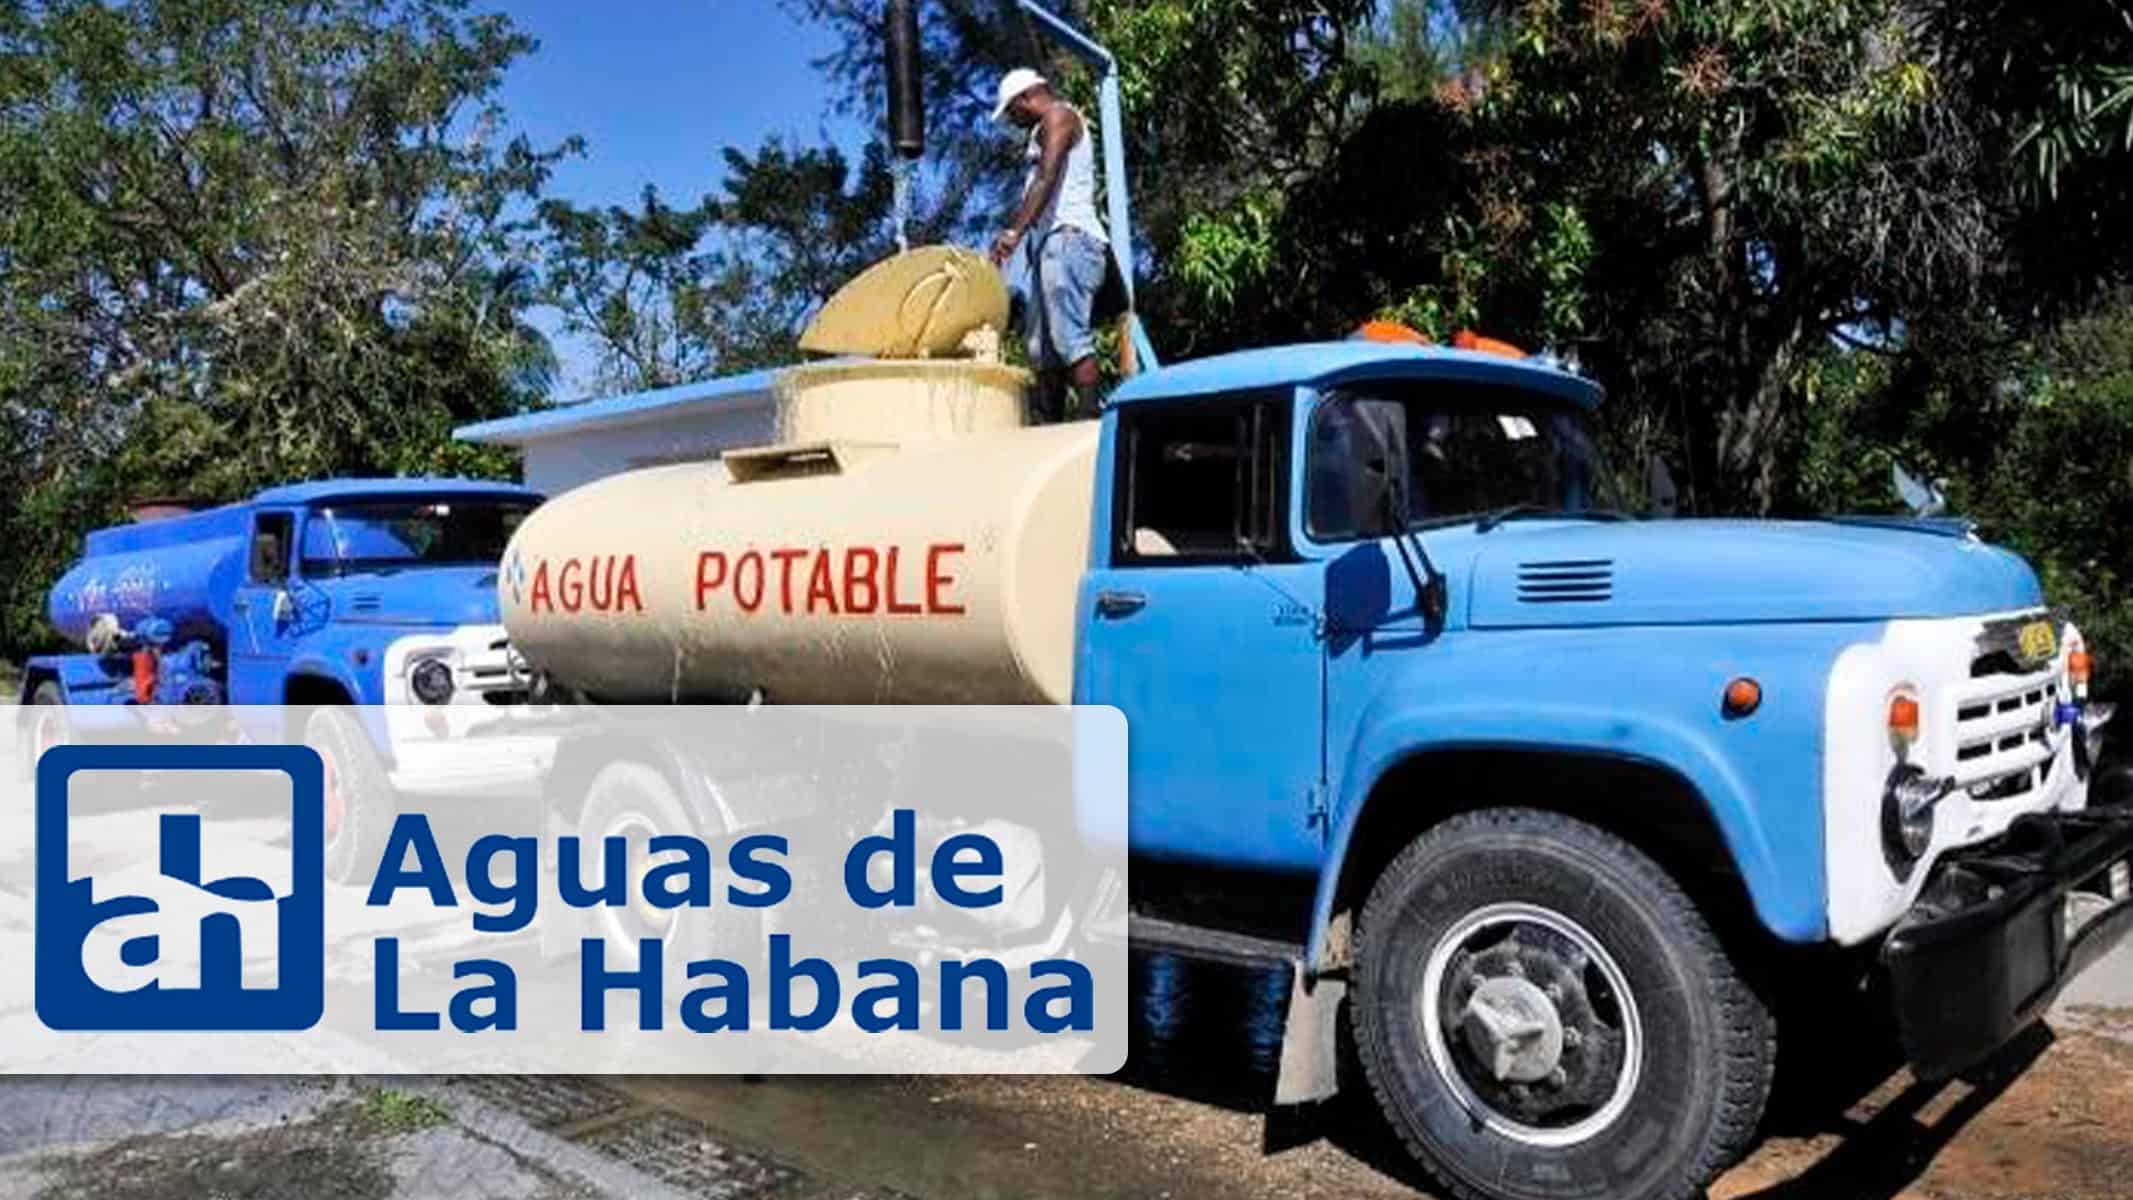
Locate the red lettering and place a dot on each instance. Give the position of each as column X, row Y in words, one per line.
column 854, row 576
column 600, row 580
column 568, row 586
column 938, row 579
column 626, row 586
column 785, row 560
column 710, row 576
column 894, row 607
column 822, row 585
column 540, row 600
column 749, row 595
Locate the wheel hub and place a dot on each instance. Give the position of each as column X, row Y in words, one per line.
column 1513, row 1028
column 1532, row 1024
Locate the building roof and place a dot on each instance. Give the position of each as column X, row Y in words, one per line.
column 336, row 489
column 1328, row 364
column 618, row 410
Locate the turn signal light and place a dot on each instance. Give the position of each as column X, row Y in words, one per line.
column 2077, row 668
column 1743, row 696
column 1903, row 719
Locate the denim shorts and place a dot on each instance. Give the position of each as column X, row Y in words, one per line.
column 1067, row 270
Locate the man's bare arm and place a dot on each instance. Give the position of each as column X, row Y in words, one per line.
column 1055, row 136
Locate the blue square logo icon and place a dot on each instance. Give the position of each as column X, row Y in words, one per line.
column 175, row 948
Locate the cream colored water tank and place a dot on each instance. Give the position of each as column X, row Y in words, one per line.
column 839, row 571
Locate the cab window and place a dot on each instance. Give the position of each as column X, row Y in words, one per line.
column 268, row 561
column 1466, row 450
column 1202, row 482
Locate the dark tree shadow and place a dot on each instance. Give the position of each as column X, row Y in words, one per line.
column 1211, row 1033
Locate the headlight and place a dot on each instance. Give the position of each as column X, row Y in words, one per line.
column 1907, row 812
column 431, row 681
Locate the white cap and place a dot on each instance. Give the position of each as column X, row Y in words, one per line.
column 1013, row 84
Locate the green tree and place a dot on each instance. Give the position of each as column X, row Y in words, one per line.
column 669, row 296
column 243, row 242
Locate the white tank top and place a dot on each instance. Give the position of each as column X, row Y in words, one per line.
column 1074, row 203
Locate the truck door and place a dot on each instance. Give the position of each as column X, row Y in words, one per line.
column 264, row 625
column 1199, row 623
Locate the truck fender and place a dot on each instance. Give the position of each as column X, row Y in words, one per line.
column 324, row 670
column 1784, row 881
column 314, row 679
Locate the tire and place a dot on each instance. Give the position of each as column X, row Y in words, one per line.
column 45, row 726
column 1514, row 919
column 360, row 804
column 638, row 802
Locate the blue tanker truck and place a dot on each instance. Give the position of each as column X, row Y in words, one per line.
column 363, row 611
column 1549, row 800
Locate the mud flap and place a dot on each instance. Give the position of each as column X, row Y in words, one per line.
column 1310, row 1039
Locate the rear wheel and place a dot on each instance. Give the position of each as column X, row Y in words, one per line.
column 358, row 797
column 636, row 802
column 1543, row 1013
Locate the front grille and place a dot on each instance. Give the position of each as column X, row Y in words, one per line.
column 2003, row 728
column 489, row 671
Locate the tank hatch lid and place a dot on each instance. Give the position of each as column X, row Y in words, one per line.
column 800, row 460
column 918, row 304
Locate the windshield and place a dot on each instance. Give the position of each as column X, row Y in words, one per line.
column 391, row 535
column 1471, row 449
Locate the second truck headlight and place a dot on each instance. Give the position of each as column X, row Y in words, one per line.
column 431, row 681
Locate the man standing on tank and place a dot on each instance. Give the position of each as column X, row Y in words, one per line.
column 1062, row 239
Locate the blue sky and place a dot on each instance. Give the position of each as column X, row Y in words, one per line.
column 658, row 88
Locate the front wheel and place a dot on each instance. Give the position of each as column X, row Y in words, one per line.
column 358, row 795
column 1543, row 1013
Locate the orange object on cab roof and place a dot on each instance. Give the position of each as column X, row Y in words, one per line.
column 1391, row 331
column 1467, row 339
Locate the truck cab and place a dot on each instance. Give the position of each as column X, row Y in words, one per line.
column 352, row 588
column 360, row 612
column 1545, row 770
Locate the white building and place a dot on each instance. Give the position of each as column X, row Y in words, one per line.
column 577, row 443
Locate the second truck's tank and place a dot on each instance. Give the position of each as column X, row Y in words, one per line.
column 183, row 570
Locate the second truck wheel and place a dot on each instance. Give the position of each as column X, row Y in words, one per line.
column 359, row 798
column 1543, row 1013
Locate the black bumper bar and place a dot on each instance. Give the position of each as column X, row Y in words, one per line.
column 1986, row 949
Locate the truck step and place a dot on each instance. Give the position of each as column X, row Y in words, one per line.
column 1198, row 941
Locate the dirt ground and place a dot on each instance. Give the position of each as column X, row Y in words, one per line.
column 2055, row 1128
column 2051, row 1118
